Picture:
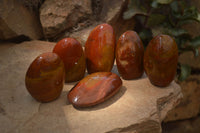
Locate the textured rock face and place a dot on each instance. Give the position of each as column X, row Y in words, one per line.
column 189, row 106
column 104, row 11
column 112, row 13
column 17, row 20
column 58, row 15
column 137, row 107
column 82, row 35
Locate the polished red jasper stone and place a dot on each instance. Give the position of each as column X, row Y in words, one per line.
column 160, row 60
column 72, row 54
column 94, row 89
column 100, row 49
column 129, row 55
column 45, row 77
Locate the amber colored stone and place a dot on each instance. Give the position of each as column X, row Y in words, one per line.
column 100, row 49
column 129, row 55
column 45, row 77
column 160, row 60
column 94, row 89
column 72, row 54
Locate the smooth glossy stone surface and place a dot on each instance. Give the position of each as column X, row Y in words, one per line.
column 94, row 89
column 160, row 60
column 100, row 48
column 72, row 54
column 129, row 55
column 45, row 77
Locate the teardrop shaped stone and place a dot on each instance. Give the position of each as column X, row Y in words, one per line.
column 94, row 89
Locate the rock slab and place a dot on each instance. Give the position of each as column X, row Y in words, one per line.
column 16, row 20
column 189, row 106
column 137, row 107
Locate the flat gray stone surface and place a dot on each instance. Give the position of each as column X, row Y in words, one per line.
column 137, row 107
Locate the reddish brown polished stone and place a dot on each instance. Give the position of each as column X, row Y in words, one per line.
column 160, row 60
column 72, row 54
column 94, row 89
column 100, row 48
column 45, row 77
column 129, row 55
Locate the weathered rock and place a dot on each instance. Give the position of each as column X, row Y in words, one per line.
column 183, row 126
column 104, row 11
column 137, row 107
column 58, row 15
column 16, row 20
column 82, row 35
column 189, row 59
column 189, row 106
column 111, row 9
column 112, row 13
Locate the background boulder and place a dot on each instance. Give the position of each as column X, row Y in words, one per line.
column 17, row 20
column 57, row 16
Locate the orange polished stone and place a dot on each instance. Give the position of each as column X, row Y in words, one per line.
column 45, row 77
column 160, row 60
column 72, row 54
column 129, row 55
column 100, row 48
column 94, row 89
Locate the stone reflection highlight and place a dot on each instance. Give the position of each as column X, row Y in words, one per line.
column 94, row 89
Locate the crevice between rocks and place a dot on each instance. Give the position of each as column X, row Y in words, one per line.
column 195, row 71
column 148, row 126
column 97, row 8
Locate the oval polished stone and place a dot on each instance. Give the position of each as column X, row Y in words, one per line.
column 100, row 48
column 94, row 89
column 72, row 54
column 129, row 55
column 160, row 60
column 45, row 77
